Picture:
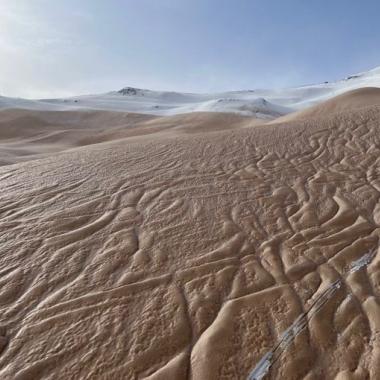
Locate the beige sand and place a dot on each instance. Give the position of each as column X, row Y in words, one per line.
column 187, row 255
column 27, row 135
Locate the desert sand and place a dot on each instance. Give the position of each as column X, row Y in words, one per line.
column 27, row 135
column 198, row 246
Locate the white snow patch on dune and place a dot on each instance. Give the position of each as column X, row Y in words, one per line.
column 266, row 104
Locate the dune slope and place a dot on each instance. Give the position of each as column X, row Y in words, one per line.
column 190, row 255
column 27, row 134
column 350, row 100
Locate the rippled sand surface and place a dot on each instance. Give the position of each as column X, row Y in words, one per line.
column 188, row 255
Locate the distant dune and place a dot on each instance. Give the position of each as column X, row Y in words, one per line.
column 266, row 104
column 32, row 134
column 28, row 134
column 203, row 245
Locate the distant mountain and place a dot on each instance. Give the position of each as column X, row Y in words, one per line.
column 265, row 103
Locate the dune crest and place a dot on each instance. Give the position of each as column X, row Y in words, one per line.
column 351, row 100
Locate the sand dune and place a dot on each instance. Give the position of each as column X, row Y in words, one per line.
column 351, row 100
column 27, row 135
column 165, row 252
column 265, row 104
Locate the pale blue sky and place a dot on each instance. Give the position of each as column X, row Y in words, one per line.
column 64, row 47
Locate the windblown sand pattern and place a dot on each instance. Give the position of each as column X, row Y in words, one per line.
column 173, row 253
column 301, row 322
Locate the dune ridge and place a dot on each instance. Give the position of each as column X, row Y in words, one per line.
column 350, row 100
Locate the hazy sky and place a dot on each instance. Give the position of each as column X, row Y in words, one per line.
column 64, row 47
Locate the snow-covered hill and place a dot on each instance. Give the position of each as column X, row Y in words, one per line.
column 267, row 104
